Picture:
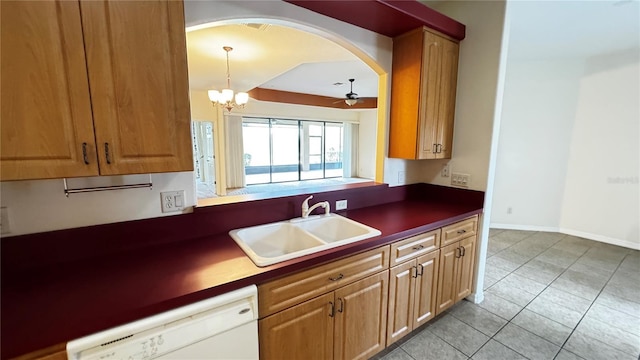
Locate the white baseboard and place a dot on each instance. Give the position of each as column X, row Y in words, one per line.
column 582, row 234
column 602, row 238
column 525, row 227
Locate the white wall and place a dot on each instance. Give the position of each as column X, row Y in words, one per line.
column 476, row 91
column 601, row 197
column 568, row 156
column 40, row 205
column 367, row 143
column 537, row 121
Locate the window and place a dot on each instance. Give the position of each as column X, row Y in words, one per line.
column 278, row 150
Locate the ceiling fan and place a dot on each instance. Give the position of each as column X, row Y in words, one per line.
column 351, row 97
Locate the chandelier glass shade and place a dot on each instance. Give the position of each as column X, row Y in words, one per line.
column 226, row 97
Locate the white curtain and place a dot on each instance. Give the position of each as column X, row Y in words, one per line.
column 235, row 151
column 350, row 151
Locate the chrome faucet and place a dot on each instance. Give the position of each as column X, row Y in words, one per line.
column 306, row 210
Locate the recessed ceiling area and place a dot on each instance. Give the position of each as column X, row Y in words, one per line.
column 275, row 57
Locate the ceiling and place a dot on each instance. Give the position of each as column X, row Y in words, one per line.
column 275, row 57
column 572, row 29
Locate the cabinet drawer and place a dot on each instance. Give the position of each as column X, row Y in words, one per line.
column 414, row 246
column 459, row 230
column 291, row 290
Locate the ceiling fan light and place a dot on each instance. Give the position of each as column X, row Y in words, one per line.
column 214, row 95
column 351, row 102
column 226, row 96
column 242, row 98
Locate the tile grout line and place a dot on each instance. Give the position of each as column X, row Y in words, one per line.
column 591, row 305
column 509, row 321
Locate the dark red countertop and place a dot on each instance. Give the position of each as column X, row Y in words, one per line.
column 60, row 301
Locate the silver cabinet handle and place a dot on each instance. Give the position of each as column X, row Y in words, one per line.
column 107, row 154
column 463, row 250
column 332, row 313
column 421, row 270
column 416, row 273
column 419, row 247
column 462, row 231
column 435, row 148
column 84, row 153
column 340, row 276
column 458, row 253
column 341, row 309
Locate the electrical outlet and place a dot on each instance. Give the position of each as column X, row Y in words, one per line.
column 172, row 201
column 445, row 171
column 341, row 205
column 509, row 210
column 460, row 180
column 401, row 177
column 4, row 221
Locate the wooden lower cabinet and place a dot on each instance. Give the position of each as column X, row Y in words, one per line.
column 348, row 323
column 304, row 331
column 456, row 272
column 412, row 295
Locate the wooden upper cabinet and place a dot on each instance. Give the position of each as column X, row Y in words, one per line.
column 46, row 120
column 423, row 92
column 137, row 65
column 93, row 88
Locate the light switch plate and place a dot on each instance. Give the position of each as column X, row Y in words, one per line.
column 460, row 180
column 172, row 201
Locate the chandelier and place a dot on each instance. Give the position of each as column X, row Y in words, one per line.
column 226, row 97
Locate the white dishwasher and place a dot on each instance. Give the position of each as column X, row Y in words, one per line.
column 224, row 327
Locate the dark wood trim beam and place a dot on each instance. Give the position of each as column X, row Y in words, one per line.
column 289, row 97
column 386, row 17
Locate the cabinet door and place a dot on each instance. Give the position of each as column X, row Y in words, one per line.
column 447, row 277
column 46, row 122
column 361, row 318
column 137, row 66
column 426, row 285
column 466, row 267
column 447, row 98
column 402, row 279
column 304, row 331
column 430, row 96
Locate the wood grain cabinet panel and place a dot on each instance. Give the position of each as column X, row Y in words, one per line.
column 426, row 286
column 402, row 279
column 412, row 295
column 304, row 331
column 460, row 230
column 423, row 93
column 346, row 298
column 46, row 120
column 285, row 292
column 361, row 318
column 455, row 281
column 414, row 246
column 136, row 55
column 93, row 88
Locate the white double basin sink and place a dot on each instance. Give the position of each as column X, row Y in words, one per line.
column 276, row 242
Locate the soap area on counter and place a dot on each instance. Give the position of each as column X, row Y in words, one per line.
column 72, row 283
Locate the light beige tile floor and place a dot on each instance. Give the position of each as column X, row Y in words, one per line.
column 547, row 296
